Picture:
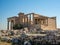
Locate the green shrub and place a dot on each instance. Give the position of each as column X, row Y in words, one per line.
column 18, row 26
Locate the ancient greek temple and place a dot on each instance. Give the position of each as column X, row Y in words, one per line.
column 32, row 19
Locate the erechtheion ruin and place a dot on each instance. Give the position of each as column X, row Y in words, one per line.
column 32, row 19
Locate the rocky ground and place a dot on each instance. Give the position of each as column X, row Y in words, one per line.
column 5, row 43
column 52, row 37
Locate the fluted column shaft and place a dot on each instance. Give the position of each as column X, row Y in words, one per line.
column 8, row 25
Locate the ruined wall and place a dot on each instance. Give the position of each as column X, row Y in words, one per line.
column 51, row 24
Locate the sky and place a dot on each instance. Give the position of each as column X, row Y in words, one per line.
column 10, row 8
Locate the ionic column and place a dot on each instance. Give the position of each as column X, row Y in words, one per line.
column 33, row 18
column 24, row 21
column 40, row 23
column 27, row 20
column 8, row 25
column 12, row 23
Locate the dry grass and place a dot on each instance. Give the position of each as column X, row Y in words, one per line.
column 5, row 43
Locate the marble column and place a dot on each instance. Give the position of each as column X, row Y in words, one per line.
column 40, row 23
column 27, row 20
column 8, row 25
column 33, row 18
column 11, row 25
column 30, row 19
column 24, row 21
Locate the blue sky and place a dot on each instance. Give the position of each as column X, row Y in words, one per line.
column 9, row 8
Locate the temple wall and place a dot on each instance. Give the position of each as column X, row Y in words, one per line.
column 51, row 25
